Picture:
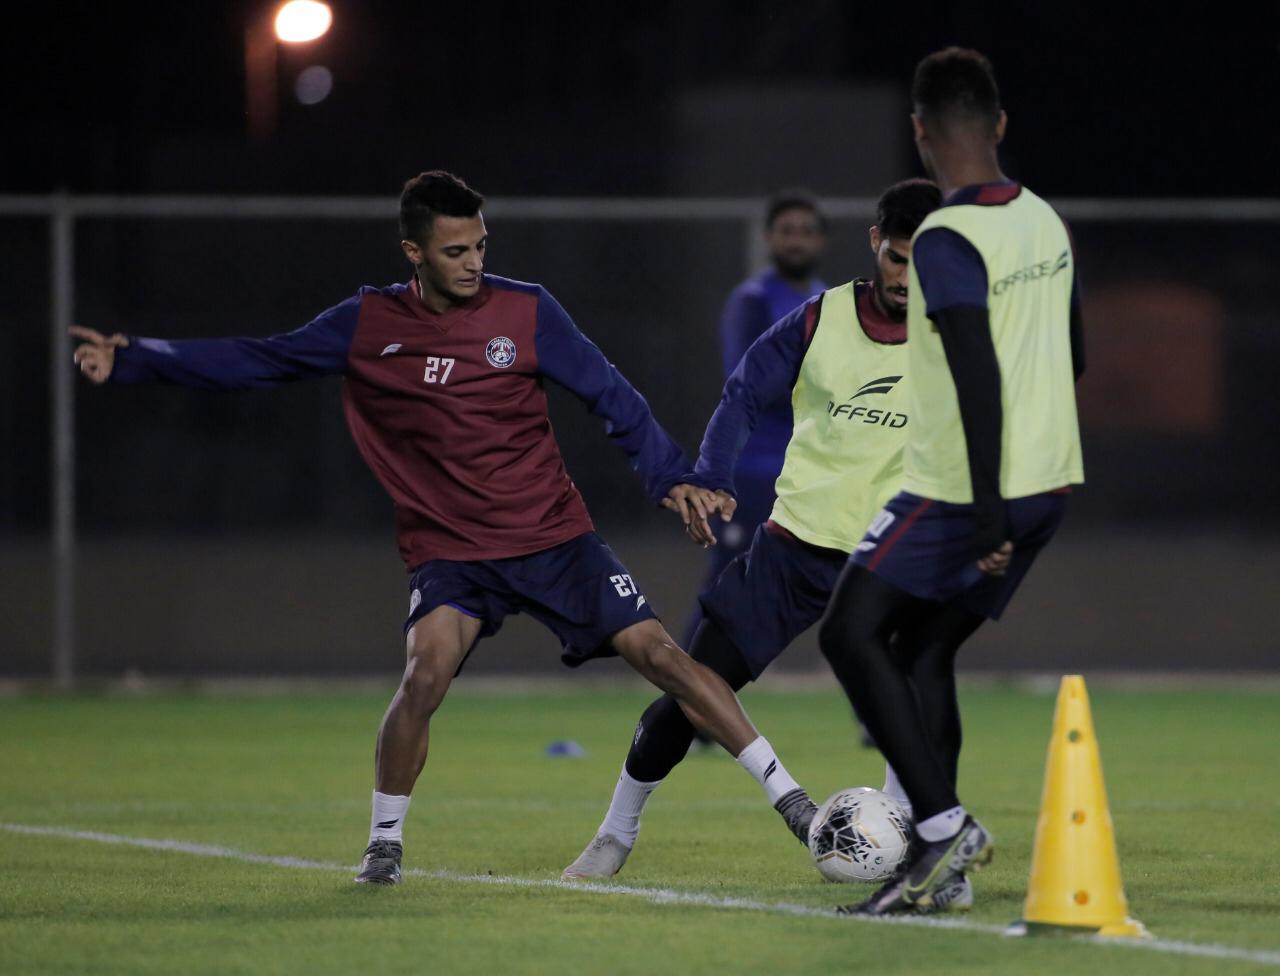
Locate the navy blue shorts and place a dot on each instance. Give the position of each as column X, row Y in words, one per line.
column 755, row 500
column 925, row 548
column 579, row 589
column 771, row 594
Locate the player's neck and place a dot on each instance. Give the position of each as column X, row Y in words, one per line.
column 963, row 168
column 878, row 304
column 877, row 321
column 437, row 302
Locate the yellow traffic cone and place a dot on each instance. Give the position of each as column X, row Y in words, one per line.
column 1075, row 872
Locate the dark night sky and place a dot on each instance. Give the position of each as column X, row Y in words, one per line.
column 530, row 98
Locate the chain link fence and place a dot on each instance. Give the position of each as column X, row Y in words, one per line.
column 174, row 532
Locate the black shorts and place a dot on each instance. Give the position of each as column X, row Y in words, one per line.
column 925, row 548
column 771, row 594
column 578, row 589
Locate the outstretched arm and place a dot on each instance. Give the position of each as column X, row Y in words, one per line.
column 318, row 348
column 765, row 374
column 96, row 355
column 573, row 361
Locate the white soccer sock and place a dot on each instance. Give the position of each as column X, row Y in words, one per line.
column 941, row 825
column 388, row 817
column 893, row 787
column 629, row 798
column 759, row 760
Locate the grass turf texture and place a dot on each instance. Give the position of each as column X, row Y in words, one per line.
column 1189, row 775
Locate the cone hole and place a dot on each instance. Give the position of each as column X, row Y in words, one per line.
column 1077, row 816
column 1082, row 897
column 1074, row 735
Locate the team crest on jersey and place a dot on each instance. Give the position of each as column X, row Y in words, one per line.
column 501, row 352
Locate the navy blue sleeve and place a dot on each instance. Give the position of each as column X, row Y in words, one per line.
column 1077, row 317
column 744, row 320
column 765, row 374
column 971, row 355
column 953, row 280
column 950, row 269
column 317, row 349
column 573, row 361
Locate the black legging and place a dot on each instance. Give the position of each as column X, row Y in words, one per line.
column 664, row 734
column 894, row 655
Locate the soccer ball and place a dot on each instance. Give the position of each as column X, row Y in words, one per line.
column 859, row 834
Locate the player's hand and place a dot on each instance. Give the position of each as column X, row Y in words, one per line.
column 694, row 505
column 96, row 356
column 997, row 563
column 728, row 505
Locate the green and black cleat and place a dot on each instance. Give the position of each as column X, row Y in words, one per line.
column 933, row 871
column 381, row 863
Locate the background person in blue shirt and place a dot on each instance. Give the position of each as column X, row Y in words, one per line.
column 795, row 232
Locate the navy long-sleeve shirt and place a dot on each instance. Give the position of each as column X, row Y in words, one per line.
column 764, row 375
column 752, row 307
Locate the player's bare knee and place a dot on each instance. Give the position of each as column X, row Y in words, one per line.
column 667, row 666
column 422, row 688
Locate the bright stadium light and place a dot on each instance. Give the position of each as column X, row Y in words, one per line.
column 300, row 21
column 269, row 26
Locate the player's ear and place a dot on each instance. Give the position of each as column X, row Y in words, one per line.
column 917, row 127
column 412, row 251
column 1000, row 126
column 874, row 234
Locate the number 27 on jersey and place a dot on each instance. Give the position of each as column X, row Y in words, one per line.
column 434, row 366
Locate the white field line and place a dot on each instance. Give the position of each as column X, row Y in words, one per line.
column 657, row 896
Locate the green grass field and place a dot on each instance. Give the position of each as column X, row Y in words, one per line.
column 1190, row 775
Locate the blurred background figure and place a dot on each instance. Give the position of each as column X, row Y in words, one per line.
column 795, row 233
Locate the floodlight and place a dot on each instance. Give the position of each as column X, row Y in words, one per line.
column 300, row 21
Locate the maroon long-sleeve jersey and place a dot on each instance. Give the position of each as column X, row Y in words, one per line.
column 448, row 409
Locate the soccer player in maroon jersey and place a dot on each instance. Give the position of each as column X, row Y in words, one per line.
column 445, row 401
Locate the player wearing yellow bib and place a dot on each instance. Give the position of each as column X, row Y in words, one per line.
column 840, row 359
column 991, row 449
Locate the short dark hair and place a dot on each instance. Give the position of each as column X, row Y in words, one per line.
column 793, row 198
column 432, row 194
column 902, row 208
column 956, row 85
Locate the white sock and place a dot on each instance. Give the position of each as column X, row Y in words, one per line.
column 941, row 825
column 388, row 817
column 759, row 760
column 893, row 788
column 629, row 798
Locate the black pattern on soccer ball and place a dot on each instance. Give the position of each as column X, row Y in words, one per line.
column 863, row 836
